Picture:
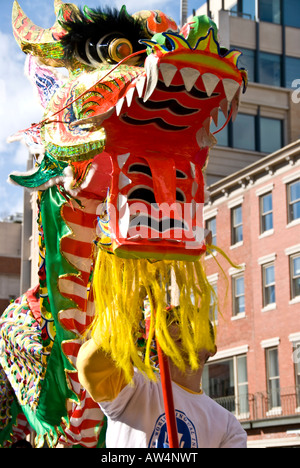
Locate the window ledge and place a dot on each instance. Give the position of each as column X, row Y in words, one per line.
column 266, row 234
column 208, row 256
column 293, row 223
column 243, row 416
column 296, row 300
column 235, row 246
column 276, row 411
column 239, row 316
column 269, row 307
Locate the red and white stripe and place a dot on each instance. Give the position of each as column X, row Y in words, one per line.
column 85, row 418
column 86, row 423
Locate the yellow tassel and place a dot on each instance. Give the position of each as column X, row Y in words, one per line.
column 120, row 287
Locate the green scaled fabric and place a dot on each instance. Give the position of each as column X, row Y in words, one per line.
column 55, row 391
column 38, row 379
column 49, row 169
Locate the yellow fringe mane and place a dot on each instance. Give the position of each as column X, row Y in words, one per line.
column 120, row 287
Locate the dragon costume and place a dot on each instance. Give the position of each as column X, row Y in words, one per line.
column 120, row 193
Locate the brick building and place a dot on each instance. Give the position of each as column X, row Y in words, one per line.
column 254, row 215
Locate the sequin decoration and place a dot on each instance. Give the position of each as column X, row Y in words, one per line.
column 22, row 351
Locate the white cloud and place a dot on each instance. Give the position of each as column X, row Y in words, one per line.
column 19, row 107
column 20, row 155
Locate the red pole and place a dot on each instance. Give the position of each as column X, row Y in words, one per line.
column 166, row 384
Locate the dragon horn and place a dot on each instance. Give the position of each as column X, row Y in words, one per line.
column 41, row 42
column 57, row 6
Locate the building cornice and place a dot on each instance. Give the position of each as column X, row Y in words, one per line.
column 288, row 155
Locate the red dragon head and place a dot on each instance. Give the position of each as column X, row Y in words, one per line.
column 135, row 113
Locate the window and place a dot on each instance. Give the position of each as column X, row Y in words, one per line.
column 247, row 60
column 222, row 136
column 243, row 132
column 273, row 380
column 244, row 8
column 266, row 213
column 270, row 69
column 238, row 290
column 268, row 284
column 270, row 11
column 291, row 10
column 291, row 70
column 296, row 355
column 295, row 275
column 211, row 225
column 250, row 132
column 293, row 196
column 270, row 134
column 242, row 383
column 213, row 309
column 226, row 382
column 237, row 225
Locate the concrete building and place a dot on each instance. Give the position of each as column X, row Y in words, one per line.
column 268, row 34
column 10, row 260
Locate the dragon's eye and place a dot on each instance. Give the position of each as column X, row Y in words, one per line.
column 119, row 48
column 113, row 48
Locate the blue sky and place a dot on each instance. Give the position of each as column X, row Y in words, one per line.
column 18, row 104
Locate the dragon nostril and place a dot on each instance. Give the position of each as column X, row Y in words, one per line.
column 140, row 169
column 142, row 194
column 168, row 44
column 180, row 197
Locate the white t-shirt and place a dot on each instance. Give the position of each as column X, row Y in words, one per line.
column 136, row 419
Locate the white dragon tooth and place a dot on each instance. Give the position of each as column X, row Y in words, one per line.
column 235, row 104
column 168, row 72
column 152, row 75
column 123, row 180
column 230, row 88
column 224, row 107
column 204, row 140
column 215, row 115
column 190, row 76
column 194, row 188
column 210, row 82
column 235, row 108
column 129, row 96
column 201, row 138
column 193, row 208
column 119, row 105
column 124, row 222
column 206, row 194
column 121, row 201
column 198, row 238
column 140, row 83
column 206, row 125
column 122, row 158
column 193, row 170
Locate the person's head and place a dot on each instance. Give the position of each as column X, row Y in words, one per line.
column 175, row 332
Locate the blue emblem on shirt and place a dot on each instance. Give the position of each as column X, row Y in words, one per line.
column 187, row 436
